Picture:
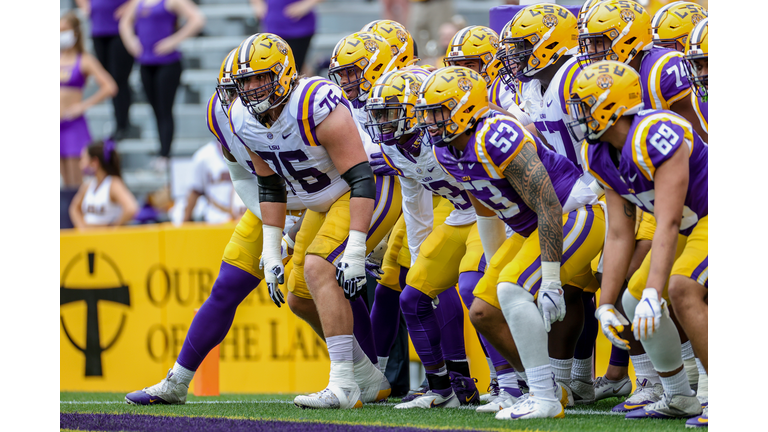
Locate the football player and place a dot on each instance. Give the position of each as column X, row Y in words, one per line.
column 621, row 31
column 558, row 225
column 541, row 46
column 301, row 133
column 239, row 273
column 696, row 53
column 634, row 153
column 439, row 258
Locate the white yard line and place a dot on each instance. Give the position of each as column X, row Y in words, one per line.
column 569, row 411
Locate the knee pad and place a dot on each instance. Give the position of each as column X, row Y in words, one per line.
column 630, row 303
column 510, row 294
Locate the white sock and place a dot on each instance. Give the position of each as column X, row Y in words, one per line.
column 183, row 374
column 644, row 368
column 492, row 368
column 582, row 370
column 562, row 369
column 508, row 380
column 687, row 351
column 702, row 392
column 540, row 382
column 340, row 348
column 357, row 352
column 677, row 384
column 383, row 364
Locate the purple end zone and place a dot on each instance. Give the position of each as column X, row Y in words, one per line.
column 151, row 423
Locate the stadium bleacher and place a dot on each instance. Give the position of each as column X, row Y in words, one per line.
column 227, row 23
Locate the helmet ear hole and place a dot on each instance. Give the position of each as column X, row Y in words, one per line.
column 551, row 46
column 469, row 110
column 630, row 41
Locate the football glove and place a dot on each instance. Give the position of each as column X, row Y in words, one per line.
column 648, row 314
column 272, row 264
column 612, row 323
column 350, row 271
column 380, row 167
column 550, row 296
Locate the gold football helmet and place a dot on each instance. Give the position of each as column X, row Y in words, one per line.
column 475, row 43
column 225, row 85
column 673, row 23
column 267, row 57
column 697, row 56
column 358, row 60
column 537, row 37
column 390, row 105
column 615, row 30
column 451, row 100
column 601, row 93
column 581, row 19
column 400, row 40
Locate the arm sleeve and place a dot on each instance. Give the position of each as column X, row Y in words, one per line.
column 246, row 186
column 417, row 212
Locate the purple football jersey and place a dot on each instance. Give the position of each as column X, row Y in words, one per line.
column 480, row 168
column 663, row 77
column 654, row 137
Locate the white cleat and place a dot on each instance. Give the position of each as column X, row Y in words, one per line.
column 167, row 392
column 645, row 394
column 564, row 394
column 583, row 392
column 431, row 400
column 493, row 391
column 532, row 408
column 677, row 406
column 503, row 400
column 605, row 388
column 374, row 386
column 333, row 397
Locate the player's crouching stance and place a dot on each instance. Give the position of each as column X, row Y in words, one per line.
column 239, row 273
column 536, row 192
column 635, row 154
column 301, row 132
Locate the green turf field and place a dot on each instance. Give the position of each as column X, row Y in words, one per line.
column 279, row 407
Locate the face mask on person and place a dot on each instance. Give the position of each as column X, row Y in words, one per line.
column 67, row 39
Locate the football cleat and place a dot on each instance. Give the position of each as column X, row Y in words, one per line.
column 531, row 408
column 167, row 392
column 413, row 394
column 374, row 386
column 332, row 397
column 503, row 400
column 564, row 394
column 493, row 391
column 645, row 393
column 583, row 392
column 465, row 389
column 431, row 400
column 699, row 421
column 605, row 388
column 677, row 406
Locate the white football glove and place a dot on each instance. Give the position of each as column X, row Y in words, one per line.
column 272, row 263
column 648, row 314
column 612, row 323
column 350, row 271
column 550, row 297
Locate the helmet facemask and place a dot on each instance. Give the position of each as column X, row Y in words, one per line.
column 350, row 78
column 698, row 82
column 433, row 118
column 227, row 94
column 387, row 121
column 261, row 98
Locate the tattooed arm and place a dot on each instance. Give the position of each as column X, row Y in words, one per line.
column 531, row 180
column 619, row 245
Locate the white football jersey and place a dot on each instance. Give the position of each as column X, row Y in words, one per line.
column 97, row 208
column 361, row 117
column 502, row 96
column 421, row 176
column 290, row 146
column 550, row 115
column 218, row 124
